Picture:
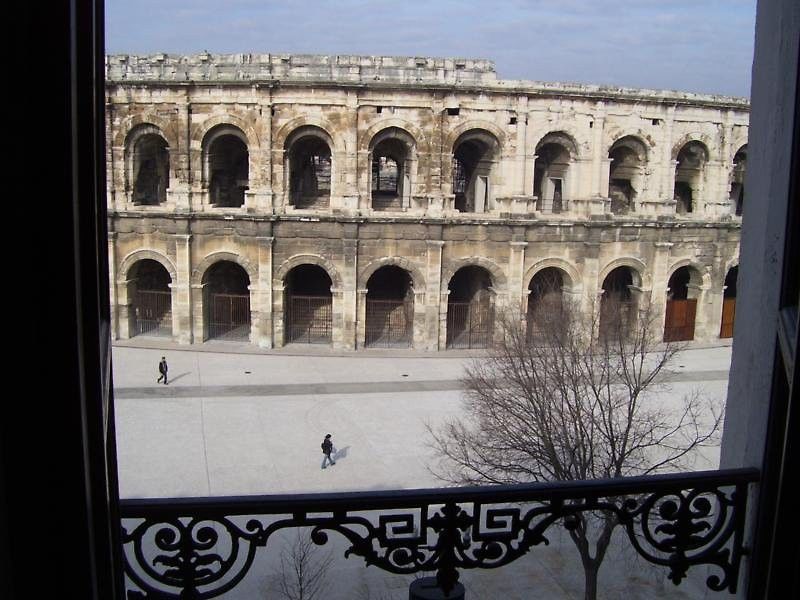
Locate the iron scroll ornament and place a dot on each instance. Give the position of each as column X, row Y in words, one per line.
column 202, row 548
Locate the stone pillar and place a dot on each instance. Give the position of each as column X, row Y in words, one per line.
column 419, row 330
column 351, row 317
column 443, row 296
column 337, row 319
column 516, row 262
column 199, row 325
column 433, row 277
column 279, row 193
column 668, row 164
column 183, row 303
column 439, row 188
column 583, row 203
column 126, row 289
column 716, row 196
column 178, row 194
column 348, row 176
column 262, row 328
column 591, row 277
column 704, row 321
column 521, row 168
column 361, row 317
column 112, row 284
column 597, row 151
column 659, row 284
column 263, row 200
column 605, row 174
column 278, row 321
column 364, row 193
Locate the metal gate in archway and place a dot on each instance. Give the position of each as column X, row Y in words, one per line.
column 229, row 316
column 470, row 324
column 679, row 320
column 152, row 313
column 728, row 315
column 308, row 319
column 389, row 323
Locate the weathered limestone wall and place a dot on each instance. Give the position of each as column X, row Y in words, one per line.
column 429, row 108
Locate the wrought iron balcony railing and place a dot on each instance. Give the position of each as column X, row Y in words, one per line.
column 203, row 547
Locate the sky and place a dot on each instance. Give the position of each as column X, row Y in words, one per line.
column 701, row 46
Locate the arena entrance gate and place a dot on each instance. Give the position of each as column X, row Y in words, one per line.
column 470, row 314
column 227, row 302
column 152, row 299
column 389, row 309
column 309, row 307
column 729, row 304
column 681, row 309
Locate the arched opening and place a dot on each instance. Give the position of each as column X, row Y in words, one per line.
column 729, row 303
column 151, row 298
column 474, row 155
column 689, row 172
column 618, row 304
column 227, row 167
column 390, row 308
column 226, row 302
column 737, row 180
column 684, row 286
column 470, row 310
column 551, row 169
column 627, row 156
column 309, row 167
column 390, row 172
column 150, row 170
column 308, row 314
column 545, row 300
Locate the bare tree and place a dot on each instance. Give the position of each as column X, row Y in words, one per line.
column 572, row 396
column 303, row 570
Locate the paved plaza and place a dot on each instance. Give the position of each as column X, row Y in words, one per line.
column 237, row 421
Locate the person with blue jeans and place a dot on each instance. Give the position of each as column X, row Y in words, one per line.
column 327, row 448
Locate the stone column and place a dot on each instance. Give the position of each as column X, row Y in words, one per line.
column 351, row 317
column 443, row 296
column 605, row 174
column 521, row 168
column 278, row 322
column 348, row 176
column 516, row 263
column 337, row 319
column 659, row 285
column 668, row 165
column 361, row 317
column 704, row 324
column 591, row 277
column 439, row 158
column 112, row 284
column 419, row 330
column 262, row 329
column 126, row 289
column 183, row 303
column 433, row 276
column 263, row 200
column 179, row 162
column 197, row 315
column 597, row 151
column 716, row 196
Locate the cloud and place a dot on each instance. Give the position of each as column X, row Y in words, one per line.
column 697, row 45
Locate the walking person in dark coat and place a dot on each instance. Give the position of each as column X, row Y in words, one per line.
column 327, row 448
column 162, row 368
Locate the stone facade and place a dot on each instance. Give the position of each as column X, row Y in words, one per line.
column 355, row 185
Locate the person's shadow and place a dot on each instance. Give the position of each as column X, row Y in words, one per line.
column 180, row 376
column 341, row 453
